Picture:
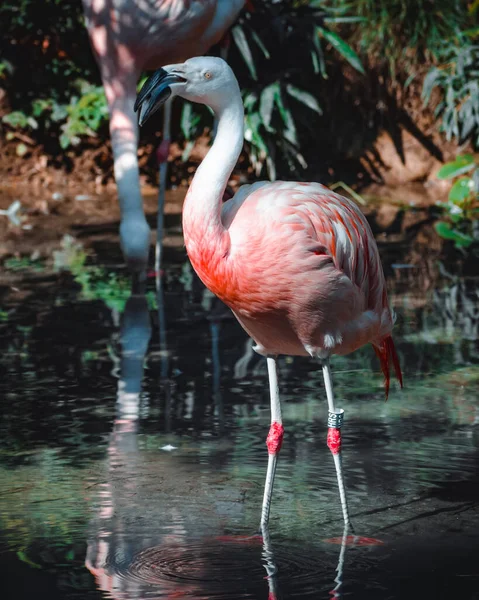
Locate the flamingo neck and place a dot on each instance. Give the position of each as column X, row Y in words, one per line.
column 202, row 209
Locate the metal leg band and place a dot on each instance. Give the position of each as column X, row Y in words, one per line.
column 335, row 419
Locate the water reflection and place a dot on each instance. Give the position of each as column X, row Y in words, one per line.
column 167, row 555
column 166, row 481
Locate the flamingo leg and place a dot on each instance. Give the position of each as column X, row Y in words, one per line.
column 337, row 592
column 335, row 421
column 162, row 155
column 273, row 441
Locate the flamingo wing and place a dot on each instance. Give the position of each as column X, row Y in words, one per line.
column 304, row 251
column 325, row 221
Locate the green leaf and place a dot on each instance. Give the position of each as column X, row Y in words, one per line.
column 343, row 48
column 24, row 558
column 290, row 127
column 319, row 53
column 260, row 44
column 430, row 81
column 345, row 20
column 187, row 151
column 461, row 190
column 16, row 119
column 462, row 164
column 304, row 97
column 445, row 230
column 21, row 149
column 64, row 141
column 249, row 101
column 243, row 46
column 33, row 123
column 185, row 123
column 266, row 103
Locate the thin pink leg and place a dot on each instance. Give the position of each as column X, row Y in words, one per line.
column 335, row 421
column 273, row 441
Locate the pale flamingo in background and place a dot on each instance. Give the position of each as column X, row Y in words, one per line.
column 128, row 36
column 297, row 263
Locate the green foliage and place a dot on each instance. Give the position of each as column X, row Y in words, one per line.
column 404, row 33
column 192, row 123
column 462, row 206
column 284, row 46
column 84, row 114
column 24, row 263
column 456, row 78
column 96, row 283
column 54, row 36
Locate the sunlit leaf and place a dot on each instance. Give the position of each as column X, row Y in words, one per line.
column 475, row 179
column 21, row 149
column 304, row 97
column 461, row 190
column 319, row 52
column 345, row 20
column 448, row 233
column 271, row 168
column 243, row 46
column 290, row 127
column 64, row 141
column 462, row 164
column 430, row 81
column 260, row 44
column 187, row 151
column 266, row 103
column 185, row 122
column 343, row 48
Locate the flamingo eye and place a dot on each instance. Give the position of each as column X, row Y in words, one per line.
column 207, row 75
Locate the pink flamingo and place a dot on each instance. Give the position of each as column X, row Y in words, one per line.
column 127, row 37
column 297, row 263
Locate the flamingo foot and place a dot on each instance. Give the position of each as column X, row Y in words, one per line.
column 135, row 242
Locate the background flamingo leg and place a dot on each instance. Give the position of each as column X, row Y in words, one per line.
column 335, row 421
column 162, row 156
column 273, row 441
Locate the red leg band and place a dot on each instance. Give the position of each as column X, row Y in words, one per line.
column 163, row 151
column 334, row 440
column 275, row 438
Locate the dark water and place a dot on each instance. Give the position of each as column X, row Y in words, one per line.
column 133, row 456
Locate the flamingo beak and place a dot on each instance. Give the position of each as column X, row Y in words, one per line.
column 154, row 93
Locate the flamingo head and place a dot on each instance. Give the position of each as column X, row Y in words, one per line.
column 204, row 80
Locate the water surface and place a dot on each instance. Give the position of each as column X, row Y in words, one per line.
column 133, row 455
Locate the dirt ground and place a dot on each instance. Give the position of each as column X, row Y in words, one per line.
column 81, row 200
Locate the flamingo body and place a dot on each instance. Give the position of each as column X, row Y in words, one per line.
column 299, row 268
column 296, row 262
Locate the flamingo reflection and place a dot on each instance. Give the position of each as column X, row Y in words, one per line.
column 142, row 543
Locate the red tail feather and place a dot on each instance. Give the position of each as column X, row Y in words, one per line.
column 386, row 352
